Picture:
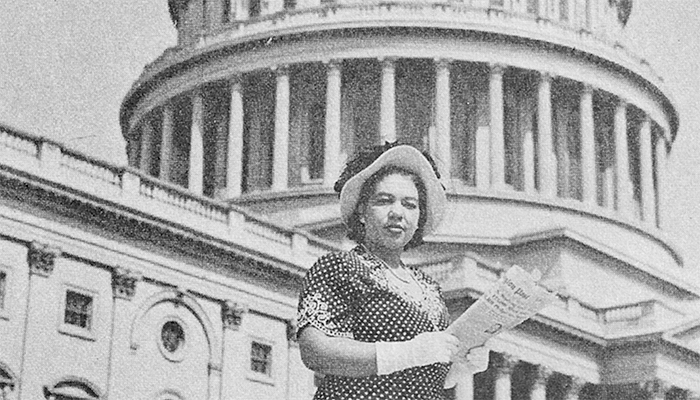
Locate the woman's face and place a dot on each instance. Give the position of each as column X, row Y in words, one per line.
column 392, row 213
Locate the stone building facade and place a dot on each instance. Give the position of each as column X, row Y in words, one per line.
column 176, row 277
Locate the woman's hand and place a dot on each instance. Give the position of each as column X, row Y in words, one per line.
column 477, row 360
column 425, row 349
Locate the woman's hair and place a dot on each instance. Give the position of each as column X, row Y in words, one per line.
column 356, row 230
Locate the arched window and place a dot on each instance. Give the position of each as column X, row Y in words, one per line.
column 72, row 388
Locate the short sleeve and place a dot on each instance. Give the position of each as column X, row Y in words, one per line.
column 326, row 297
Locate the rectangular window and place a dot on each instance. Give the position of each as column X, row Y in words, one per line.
column 261, row 358
column 78, row 310
column 3, row 288
column 290, row 4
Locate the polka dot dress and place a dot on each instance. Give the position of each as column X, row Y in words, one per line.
column 347, row 294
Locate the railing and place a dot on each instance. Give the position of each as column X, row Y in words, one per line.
column 180, row 198
column 449, row 272
column 135, row 191
column 93, row 168
column 22, row 144
column 627, row 313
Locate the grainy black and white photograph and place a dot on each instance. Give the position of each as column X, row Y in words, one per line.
column 350, row 200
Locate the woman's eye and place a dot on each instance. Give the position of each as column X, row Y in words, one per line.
column 382, row 200
column 410, row 205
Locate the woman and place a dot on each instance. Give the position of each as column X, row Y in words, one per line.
column 370, row 324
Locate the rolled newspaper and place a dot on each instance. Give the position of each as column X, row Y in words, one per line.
column 515, row 297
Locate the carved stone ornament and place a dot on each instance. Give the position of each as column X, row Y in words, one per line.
column 41, row 258
column 124, row 283
column 655, row 388
column 542, row 375
column 232, row 315
column 505, row 364
column 575, row 387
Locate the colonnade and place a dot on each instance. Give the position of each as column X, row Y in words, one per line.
column 509, row 378
column 616, row 164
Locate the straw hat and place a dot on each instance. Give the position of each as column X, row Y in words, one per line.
column 402, row 156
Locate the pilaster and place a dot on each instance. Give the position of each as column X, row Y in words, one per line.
column 234, row 350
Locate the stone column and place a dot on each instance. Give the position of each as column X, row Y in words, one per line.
column 504, row 369
column 147, row 136
column 332, row 160
column 496, row 124
column 647, row 173
column 234, row 163
column 387, row 121
column 281, row 145
column 166, row 144
column 195, row 180
column 655, row 389
column 661, row 159
column 588, row 164
column 623, row 184
column 465, row 387
column 235, row 353
column 574, row 389
column 547, row 168
column 539, row 386
column 442, row 118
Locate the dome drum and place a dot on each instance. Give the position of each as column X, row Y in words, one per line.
column 492, row 127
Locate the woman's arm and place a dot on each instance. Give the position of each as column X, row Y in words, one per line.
column 352, row 358
column 337, row 355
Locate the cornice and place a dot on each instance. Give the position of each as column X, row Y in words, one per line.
column 73, row 203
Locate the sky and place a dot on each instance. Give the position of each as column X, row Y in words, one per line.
column 65, row 66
